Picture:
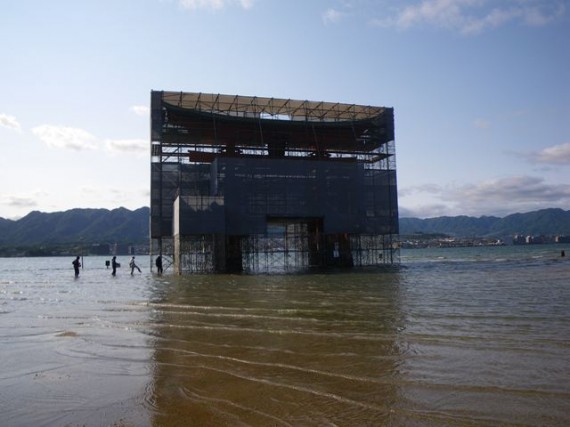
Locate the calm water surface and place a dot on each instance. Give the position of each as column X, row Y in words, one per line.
column 457, row 337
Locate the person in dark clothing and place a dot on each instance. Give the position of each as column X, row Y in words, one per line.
column 159, row 264
column 76, row 265
column 114, row 265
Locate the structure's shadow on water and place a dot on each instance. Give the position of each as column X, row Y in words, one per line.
column 275, row 350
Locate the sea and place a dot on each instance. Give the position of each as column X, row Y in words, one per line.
column 475, row 336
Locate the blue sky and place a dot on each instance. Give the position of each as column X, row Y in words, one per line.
column 480, row 88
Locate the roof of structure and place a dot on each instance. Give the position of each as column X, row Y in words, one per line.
column 270, row 108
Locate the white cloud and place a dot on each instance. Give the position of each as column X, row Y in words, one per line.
column 500, row 197
column 510, row 188
column 9, row 122
column 541, row 15
column 419, row 189
column 129, row 146
column 79, row 139
column 202, row 4
column 436, row 12
column 331, row 16
column 474, row 16
column 246, row 4
column 65, row 137
column 20, row 204
column 19, row 201
column 141, row 110
column 214, row 4
column 557, row 154
column 424, row 211
column 492, row 19
column 509, row 195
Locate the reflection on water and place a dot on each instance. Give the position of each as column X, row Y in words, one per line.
column 276, row 350
column 461, row 341
column 489, row 343
column 472, row 337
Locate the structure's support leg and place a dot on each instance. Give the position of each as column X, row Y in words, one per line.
column 177, row 254
column 219, row 253
column 345, row 250
column 316, row 244
column 233, row 254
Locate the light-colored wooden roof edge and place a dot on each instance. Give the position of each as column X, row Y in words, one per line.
column 220, row 103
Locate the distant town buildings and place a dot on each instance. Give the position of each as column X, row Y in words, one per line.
column 442, row 241
column 520, row 239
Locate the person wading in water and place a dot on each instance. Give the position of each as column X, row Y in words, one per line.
column 159, row 264
column 133, row 266
column 114, row 264
column 76, row 265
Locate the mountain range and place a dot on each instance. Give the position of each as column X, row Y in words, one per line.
column 547, row 222
column 131, row 227
column 120, row 225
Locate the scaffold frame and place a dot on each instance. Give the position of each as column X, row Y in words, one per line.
column 265, row 185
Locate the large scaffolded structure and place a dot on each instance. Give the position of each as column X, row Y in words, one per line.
column 251, row 184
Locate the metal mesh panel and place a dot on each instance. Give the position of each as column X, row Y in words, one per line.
column 196, row 254
column 323, row 172
column 371, row 250
column 277, row 252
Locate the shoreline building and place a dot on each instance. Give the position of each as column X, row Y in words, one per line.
column 266, row 185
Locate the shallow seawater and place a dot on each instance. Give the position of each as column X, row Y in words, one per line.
column 475, row 336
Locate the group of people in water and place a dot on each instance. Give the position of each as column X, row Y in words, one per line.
column 114, row 265
column 132, row 265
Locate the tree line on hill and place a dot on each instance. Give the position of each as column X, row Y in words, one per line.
column 41, row 233
column 546, row 222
